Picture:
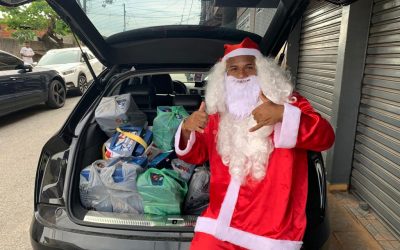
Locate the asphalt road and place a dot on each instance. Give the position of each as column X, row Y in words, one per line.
column 22, row 136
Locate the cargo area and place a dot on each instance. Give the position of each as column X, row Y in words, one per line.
column 145, row 205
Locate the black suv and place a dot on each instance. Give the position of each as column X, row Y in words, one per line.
column 144, row 48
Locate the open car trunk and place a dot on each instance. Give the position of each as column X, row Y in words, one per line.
column 94, row 140
column 90, row 146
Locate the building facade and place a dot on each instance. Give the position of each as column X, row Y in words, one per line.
column 346, row 61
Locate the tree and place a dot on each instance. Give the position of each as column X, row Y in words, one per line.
column 37, row 19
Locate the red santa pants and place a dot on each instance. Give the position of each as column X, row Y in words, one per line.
column 203, row 241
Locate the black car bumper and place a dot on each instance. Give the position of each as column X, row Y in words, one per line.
column 62, row 233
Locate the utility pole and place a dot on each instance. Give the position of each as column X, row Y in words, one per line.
column 124, row 17
column 84, row 6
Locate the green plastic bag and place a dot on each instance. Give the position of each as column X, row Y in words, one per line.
column 165, row 125
column 162, row 191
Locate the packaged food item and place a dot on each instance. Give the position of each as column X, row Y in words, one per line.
column 162, row 160
column 152, row 151
column 139, row 160
column 183, row 168
column 127, row 141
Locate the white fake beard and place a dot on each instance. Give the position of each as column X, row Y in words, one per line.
column 241, row 95
column 243, row 151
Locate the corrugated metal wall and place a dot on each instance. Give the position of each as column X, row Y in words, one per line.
column 318, row 55
column 376, row 164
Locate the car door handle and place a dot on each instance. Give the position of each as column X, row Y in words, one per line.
column 14, row 78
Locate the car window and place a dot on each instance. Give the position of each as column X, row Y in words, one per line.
column 59, row 57
column 127, row 15
column 189, row 79
column 8, row 62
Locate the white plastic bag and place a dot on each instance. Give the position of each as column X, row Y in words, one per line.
column 119, row 110
column 110, row 186
column 93, row 193
column 123, row 192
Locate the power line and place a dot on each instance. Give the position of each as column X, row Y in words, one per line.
column 136, row 16
column 183, row 11
column 190, row 10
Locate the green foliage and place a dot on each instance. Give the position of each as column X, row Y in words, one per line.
column 36, row 16
column 23, row 35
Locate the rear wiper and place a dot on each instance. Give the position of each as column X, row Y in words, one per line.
column 85, row 57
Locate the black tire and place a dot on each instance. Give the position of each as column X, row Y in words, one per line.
column 82, row 84
column 57, row 94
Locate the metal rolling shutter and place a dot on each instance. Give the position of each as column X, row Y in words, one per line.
column 318, row 53
column 376, row 163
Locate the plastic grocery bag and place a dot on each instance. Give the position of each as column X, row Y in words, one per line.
column 165, row 125
column 120, row 180
column 197, row 198
column 162, row 191
column 119, row 110
column 110, row 186
column 93, row 193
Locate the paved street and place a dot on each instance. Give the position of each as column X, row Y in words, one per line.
column 22, row 136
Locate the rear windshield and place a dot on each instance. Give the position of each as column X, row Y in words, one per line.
column 112, row 16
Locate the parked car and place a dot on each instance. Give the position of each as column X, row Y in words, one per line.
column 141, row 62
column 71, row 66
column 22, row 86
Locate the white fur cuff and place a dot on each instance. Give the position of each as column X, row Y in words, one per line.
column 285, row 132
column 189, row 145
column 242, row 52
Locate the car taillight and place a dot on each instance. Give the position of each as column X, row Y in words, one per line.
column 50, row 178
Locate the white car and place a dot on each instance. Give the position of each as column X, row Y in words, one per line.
column 71, row 66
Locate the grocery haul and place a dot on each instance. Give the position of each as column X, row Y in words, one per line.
column 139, row 172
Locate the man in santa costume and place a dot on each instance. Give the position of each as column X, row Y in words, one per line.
column 255, row 132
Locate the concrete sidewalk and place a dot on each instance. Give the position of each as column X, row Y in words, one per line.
column 355, row 228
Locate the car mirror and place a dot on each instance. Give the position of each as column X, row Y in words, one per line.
column 23, row 68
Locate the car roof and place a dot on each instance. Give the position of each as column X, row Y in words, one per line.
column 5, row 52
column 69, row 49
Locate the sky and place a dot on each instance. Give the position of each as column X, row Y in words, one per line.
column 108, row 15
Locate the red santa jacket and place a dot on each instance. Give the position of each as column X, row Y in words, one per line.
column 269, row 214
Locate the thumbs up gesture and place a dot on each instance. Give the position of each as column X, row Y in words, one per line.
column 267, row 113
column 197, row 121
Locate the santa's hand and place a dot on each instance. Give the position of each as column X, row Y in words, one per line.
column 267, row 113
column 197, row 121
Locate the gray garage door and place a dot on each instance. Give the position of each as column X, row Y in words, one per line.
column 376, row 164
column 318, row 54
